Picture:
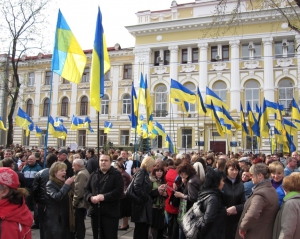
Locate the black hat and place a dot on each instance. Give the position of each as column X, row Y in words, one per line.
column 63, row 151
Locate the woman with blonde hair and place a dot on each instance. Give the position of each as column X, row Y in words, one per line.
column 277, row 174
column 287, row 223
column 56, row 219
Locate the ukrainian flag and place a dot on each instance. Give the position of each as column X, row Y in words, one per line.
column 100, row 64
column 271, row 107
column 1, row 124
column 87, row 124
column 212, row 97
column 142, row 91
column 160, row 129
column 76, row 123
column 134, row 108
column 229, row 120
column 169, row 145
column 278, row 136
column 252, row 122
column 243, row 122
column 178, row 91
column 58, row 131
column 68, row 59
column 295, row 110
column 29, row 128
column 38, row 131
column 184, row 105
column 291, row 145
column 22, row 119
column 263, row 123
column 153, row 134
column 200, row 104
column 216, row 119
column 257, row 111
column 289, row 126
column 149, row 107
column 144, row 131
column 107, row 126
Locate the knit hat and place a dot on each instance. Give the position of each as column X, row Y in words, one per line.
column 9, row 178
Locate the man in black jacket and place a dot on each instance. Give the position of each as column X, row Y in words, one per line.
column 92, row 161
column 38, row 190
column 63, row 157
column 105, row 188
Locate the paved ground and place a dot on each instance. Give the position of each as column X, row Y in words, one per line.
column 89, row 234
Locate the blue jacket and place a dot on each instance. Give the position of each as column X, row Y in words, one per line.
column 29, row 173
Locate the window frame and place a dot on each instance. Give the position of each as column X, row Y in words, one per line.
column 124, row 137
column 83, row 110
column 105, row 107
column 184, row 56
column 29, row 107
column 195, row 50
column 126, row 104
column 45, row 109
column 127, row 73
column 64, row 109
column 48, row 76
column 31, row 79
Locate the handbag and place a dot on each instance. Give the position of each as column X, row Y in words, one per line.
column 181, row 210
column 131, row 195
column 174, row 201
column 192, row 219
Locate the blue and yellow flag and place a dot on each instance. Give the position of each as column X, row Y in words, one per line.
column 263, row 120
column 153, row 134
column 76, row 123
column 107, row 126
column 271, row 107
column 243, row 122
column 68, row 59
column 178, row 91
column 200, row 104
column 1, row 124
column 134, row 108
column 213, row 97
column 169, row 144
column 22, row 119
column 142, row 91
column 257, row 109
column 56, row 129
column 216, row 119
column 184, row 105
column 295, row 110
column 290, row 143
column 278, row 136
column 87, row 125
column 252, row 122
column 289, row 126
column 160, row 129
column 229, row 120
column 100, row 64
column 38, row 131
column 29, row 128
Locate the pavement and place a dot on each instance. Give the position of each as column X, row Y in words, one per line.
column 89, row 234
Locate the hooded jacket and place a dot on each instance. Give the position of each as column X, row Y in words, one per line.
column 15, row 220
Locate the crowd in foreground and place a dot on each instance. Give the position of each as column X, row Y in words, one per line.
column 238, row 195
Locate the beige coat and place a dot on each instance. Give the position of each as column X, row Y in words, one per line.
column 287, row 223
column 81, row 178
column 259, row 213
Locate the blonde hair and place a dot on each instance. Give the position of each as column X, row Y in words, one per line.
column 147, row 162
column 55, row 168
column 276, row 167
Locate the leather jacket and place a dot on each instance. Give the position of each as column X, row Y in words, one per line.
column 39, row 186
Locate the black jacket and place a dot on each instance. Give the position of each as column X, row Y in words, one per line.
column 69, row 171
column 143, row 189
column 212, row 226
column 39, row 186
column 233, row 195
column 191, row 189
column 56, row 219
column 92, row 164
column 111, row 186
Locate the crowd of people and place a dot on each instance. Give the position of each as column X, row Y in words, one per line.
column 240, row 195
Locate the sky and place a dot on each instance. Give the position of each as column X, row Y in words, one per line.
column 116, row 14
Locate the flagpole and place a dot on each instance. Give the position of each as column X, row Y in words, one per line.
column 47, row 131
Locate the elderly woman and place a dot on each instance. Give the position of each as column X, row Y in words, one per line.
column 56, row 219
column 233, row 197
column 15, row 218
column 277, row 174
column 260, row 209
column 287, row 223
column 141, row 214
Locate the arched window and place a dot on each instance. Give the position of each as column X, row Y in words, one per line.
column 220, row 89
column 84, row 105
column 104, row 105
column 126, row 104
column 29, row 106
column 286, row 93
column 161, row 101
column 192, row 88
column 64, row 106
column 251, row 94
column 45, row 107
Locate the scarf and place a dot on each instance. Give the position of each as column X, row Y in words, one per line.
column 290, row 194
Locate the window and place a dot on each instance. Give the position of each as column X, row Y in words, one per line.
column 29, row 106
column 286, row 94
column 284, row 49
column 81, row 138
column 157, row 142
column 64, row 106
column 251, row 50
column 45, row 107
column 48, row 78
column 126, row 104
column 86, row 75
column 161, row 101
column 251, row 143
column 31, row 79
column 84, row 106
column 127, row 71
column 107, row 76
column 192, row 88
column 166, row 57
column 220, row 53
column 225, row 53
column 104, row 105
column 26, row 139
column 156, row 58
column 195, row 55
column 220, row 89
column 186, row 138
column 65, row 81
column 61, row 142
column 252, row 94
column 43, row 138
column 102, row 138
column 214, row 53
column 124, row 137
column 184, row 56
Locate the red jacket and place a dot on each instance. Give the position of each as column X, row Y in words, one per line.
column 170, row 179
column 15, row 220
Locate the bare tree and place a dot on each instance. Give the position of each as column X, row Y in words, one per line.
column 22, row 22
column 229, row 15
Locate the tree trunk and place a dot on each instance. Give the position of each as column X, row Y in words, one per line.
column 10, row 132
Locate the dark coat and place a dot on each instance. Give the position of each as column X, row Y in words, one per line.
column 92, row 164
column 69, row 171
column 56, row 219
column 39, row 186
column 212, row 226
column 192, row 189
column 111, row 186
column 233, row 195
column 142, row 187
